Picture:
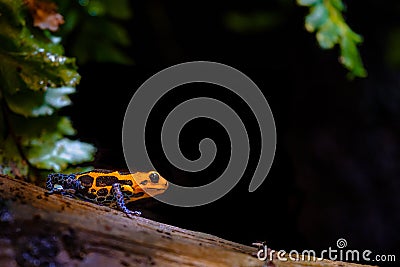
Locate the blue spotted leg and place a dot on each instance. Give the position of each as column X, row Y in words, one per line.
column 119, row 198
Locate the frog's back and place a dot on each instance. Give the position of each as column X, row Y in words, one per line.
column 98, row 186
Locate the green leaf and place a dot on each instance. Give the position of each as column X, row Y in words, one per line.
column 326, row 19
column 119, row 9
column 59, row 70
column 56, row 156
column 317, row 17
column 96, row 8
column 97, row 20
column 34, row 104
column 57, row 97
column 36, row 70
column 338, row 4
column 113, row 55
column 328, row 35
column 40, row 130
column 72, row 21
column 351, row 58
column 119, row 35
column 29, row 104
column 87, row 47
column 35, row 81
column 14, row 10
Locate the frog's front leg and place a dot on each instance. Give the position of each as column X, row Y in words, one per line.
column 119, row 198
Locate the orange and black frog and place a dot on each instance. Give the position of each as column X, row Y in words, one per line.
column 111, row 188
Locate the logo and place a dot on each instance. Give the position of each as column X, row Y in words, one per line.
column 340, row 254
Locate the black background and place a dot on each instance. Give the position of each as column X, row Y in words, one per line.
column 336, row 169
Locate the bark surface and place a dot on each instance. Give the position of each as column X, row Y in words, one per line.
column 41, row 230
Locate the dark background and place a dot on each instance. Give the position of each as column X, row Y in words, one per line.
column 336, row 170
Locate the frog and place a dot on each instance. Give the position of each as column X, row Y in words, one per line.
column 107, row 187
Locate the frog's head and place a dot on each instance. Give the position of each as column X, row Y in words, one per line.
column 152, row 182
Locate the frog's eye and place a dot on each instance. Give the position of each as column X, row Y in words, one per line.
column 154, row 177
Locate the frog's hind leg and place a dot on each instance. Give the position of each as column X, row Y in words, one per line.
column 119, row 198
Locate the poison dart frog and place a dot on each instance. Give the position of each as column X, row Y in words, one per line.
column 111, row 188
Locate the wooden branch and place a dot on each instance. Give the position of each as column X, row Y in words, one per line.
column 37, row 229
